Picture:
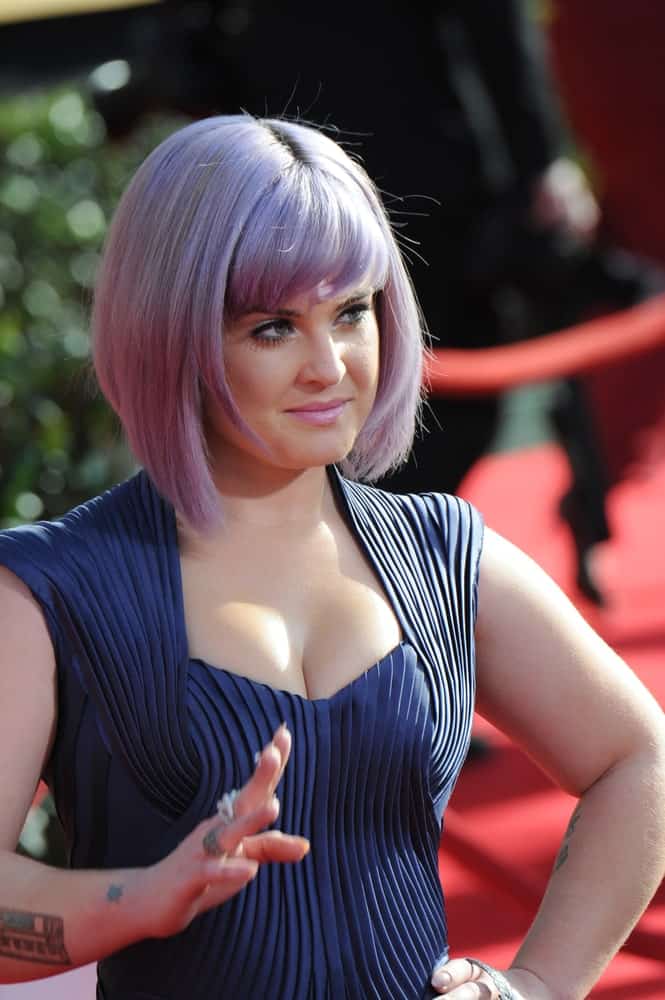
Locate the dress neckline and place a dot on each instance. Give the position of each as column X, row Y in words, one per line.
column 370, row 674
column 173, row 555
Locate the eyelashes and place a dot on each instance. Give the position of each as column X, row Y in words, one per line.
column 272, row 333
column 275, row 331
column 357, row 312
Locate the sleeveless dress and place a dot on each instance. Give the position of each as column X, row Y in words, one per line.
column 149, row 739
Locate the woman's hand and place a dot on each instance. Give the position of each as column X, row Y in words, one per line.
column 220, row 857
column 462, row 979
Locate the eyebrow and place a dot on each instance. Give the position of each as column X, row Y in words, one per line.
column 293, row 314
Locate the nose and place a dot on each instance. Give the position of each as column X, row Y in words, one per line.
column 323, row 363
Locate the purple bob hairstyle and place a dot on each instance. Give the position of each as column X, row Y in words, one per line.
column 230, row 211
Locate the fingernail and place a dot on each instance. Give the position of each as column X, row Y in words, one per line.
column 257, row 756
column 440, row 979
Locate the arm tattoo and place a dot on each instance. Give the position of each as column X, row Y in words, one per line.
column 33, row 937
column 563, row 853
column 114, row 893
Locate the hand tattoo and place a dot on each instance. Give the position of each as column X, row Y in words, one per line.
column 114, row 893
column 226, row 813
column 563, row 853
column 211, row 845
column 33, row 937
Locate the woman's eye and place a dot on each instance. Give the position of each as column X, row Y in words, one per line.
column 274, row 332
column 356, row 313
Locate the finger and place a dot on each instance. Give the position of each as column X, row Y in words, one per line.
column 275, row 846
column 267, row 774
column 478, row 990
column 217, row 837
column 219, row 880
column 227, row 871
column 457, row 972
column 224, row 877
column 282, row 740
column 261, row 784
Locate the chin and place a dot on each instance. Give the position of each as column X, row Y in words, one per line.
column 307, row 458
column 323, row 447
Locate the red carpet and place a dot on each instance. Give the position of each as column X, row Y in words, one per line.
column 506, row 819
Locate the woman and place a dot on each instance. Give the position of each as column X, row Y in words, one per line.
column 255, row 331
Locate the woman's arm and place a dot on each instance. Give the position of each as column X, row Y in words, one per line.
column 552, row 684
column 52, row 919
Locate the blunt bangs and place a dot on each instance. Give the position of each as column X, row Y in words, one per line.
column 309, row 228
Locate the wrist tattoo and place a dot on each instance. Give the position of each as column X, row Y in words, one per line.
column 33, row 937
column 114, row 893
column 562, row 856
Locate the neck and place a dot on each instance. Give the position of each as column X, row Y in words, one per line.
column 282, row 502
column 275, row 498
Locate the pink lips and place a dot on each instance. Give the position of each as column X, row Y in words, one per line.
column 320, row 413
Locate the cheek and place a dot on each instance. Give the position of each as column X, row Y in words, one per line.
column 365, row 377
column 369, row 371
column 251, row 382
column 369, row 363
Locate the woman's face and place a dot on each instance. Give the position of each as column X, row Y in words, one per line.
column 304, row 379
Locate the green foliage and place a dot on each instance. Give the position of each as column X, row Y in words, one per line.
column 59, row 181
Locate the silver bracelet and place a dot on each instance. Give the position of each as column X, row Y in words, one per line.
column 506, row 991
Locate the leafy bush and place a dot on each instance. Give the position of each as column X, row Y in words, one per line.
column 59, row 181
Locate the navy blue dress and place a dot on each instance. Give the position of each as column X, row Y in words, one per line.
column 149, row 739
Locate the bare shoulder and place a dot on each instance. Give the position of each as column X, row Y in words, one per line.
column 27, row 702
column 548, row 679
column 23, row 626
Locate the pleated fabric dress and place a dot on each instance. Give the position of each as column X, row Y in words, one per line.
column 149, row 739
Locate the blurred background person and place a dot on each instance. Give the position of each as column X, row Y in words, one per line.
column 611, row 81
